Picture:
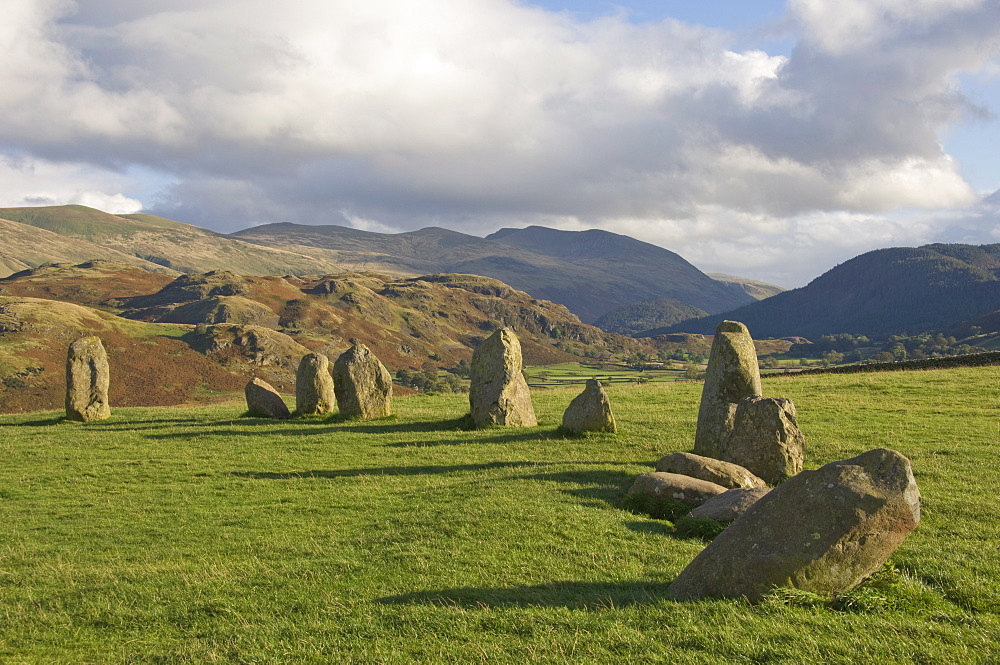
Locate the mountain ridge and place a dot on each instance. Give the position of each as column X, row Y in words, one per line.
column 896, row 290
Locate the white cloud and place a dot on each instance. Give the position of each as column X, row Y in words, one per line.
column 487, row 112
column 29, row 182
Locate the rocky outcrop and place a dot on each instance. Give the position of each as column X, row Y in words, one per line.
column 263, row 401
column 87, row 378
column 590, row 411
column 715, row 471
column 659, row 485
column 314, row 393
column 362, row 384
column 765, row 439
column 823, row 531
column 732, row 374
column 498, row 393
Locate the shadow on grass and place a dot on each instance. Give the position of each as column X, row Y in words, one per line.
column 603, row 486
column 508, row 435
column 572, row 595
column 384, row 471
column 329, row 425
column 58, row 420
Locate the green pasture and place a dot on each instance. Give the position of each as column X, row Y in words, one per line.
column 197, row 536
column 576, row 374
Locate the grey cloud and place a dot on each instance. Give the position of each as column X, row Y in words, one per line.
column 479, row 113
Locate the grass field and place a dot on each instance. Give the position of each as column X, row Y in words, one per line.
column 196, row 536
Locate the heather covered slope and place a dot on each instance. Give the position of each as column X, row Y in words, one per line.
column 187, row 339
column 887, row 291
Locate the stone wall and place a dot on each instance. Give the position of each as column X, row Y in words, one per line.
column 969, row 360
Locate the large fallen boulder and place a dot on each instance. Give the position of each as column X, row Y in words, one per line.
column 729, row 505
column 715, row 471
column 685, row 489
column 765, row 438
column 823, row 531
column 731, row 375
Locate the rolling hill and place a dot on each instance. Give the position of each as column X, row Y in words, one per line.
column 174, row 245
column 26, row 247
column 591, row 272
column 901, row 290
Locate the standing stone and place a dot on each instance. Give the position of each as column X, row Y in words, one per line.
column 498, row 393
column 706, row 468
column 264, row 401
column 590, row 411
column 87, row 378
column 363, row 385
column 765, row 439
column 732, row 374
column 822, row 531
column 313, row 385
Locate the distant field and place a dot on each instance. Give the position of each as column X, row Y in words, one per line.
column 195, row 536
column 576, row 374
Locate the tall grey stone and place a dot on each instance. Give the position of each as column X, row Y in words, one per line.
column 732, row 374
column 314, row 392
column 765, row 439
column 264, row 401
column 823, row 531
column 498, row 393
column 362, row 384
column 590, row 411
column 87, row 379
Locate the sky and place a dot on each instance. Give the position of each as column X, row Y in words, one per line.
column 766, row 139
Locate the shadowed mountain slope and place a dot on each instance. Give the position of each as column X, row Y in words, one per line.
column 887, row 291
column 591, row 272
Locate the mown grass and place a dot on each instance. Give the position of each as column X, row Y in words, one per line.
column 195, row 536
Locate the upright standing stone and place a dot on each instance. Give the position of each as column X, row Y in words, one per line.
column 823, row 531
column 765, row 439
column 362, row 383
column 264, row 401
column 87, row 379
column 498, row 393
column 590, row 411
column 314, row 385
column 732, row 374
